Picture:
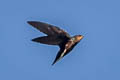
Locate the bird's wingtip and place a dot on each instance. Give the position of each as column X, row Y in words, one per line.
column 35, row 40
column 29, row 22
column 33, row 23
column 57, row 59
column 53, row 63
column 32, row 39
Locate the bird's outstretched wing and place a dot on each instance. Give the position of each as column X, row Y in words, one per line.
column 50, row 40
column 63, row 52
column 59, row 55
column 48, row 29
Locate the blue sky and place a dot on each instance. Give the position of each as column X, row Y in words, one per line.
column 96, row 57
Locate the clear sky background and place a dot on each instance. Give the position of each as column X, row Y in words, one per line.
column 96, row 57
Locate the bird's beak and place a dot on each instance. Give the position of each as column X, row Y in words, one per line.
column 79, row 38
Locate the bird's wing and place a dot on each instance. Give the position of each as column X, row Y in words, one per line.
column 50, row 40
column 60, row 55
column 48, row 29
column 64, row 50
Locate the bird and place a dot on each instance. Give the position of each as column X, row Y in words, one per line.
column 55, row 36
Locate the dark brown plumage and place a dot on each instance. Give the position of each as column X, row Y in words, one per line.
column 56, row 36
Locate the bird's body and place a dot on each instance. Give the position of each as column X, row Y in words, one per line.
column 56, row 36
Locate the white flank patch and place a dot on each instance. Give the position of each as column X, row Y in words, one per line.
column 63, row 53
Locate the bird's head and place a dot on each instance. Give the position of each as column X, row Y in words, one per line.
column 78, row 38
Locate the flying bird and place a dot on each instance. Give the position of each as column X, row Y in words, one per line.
column 56, row 36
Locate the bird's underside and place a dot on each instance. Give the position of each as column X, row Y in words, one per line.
column 55, row 36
